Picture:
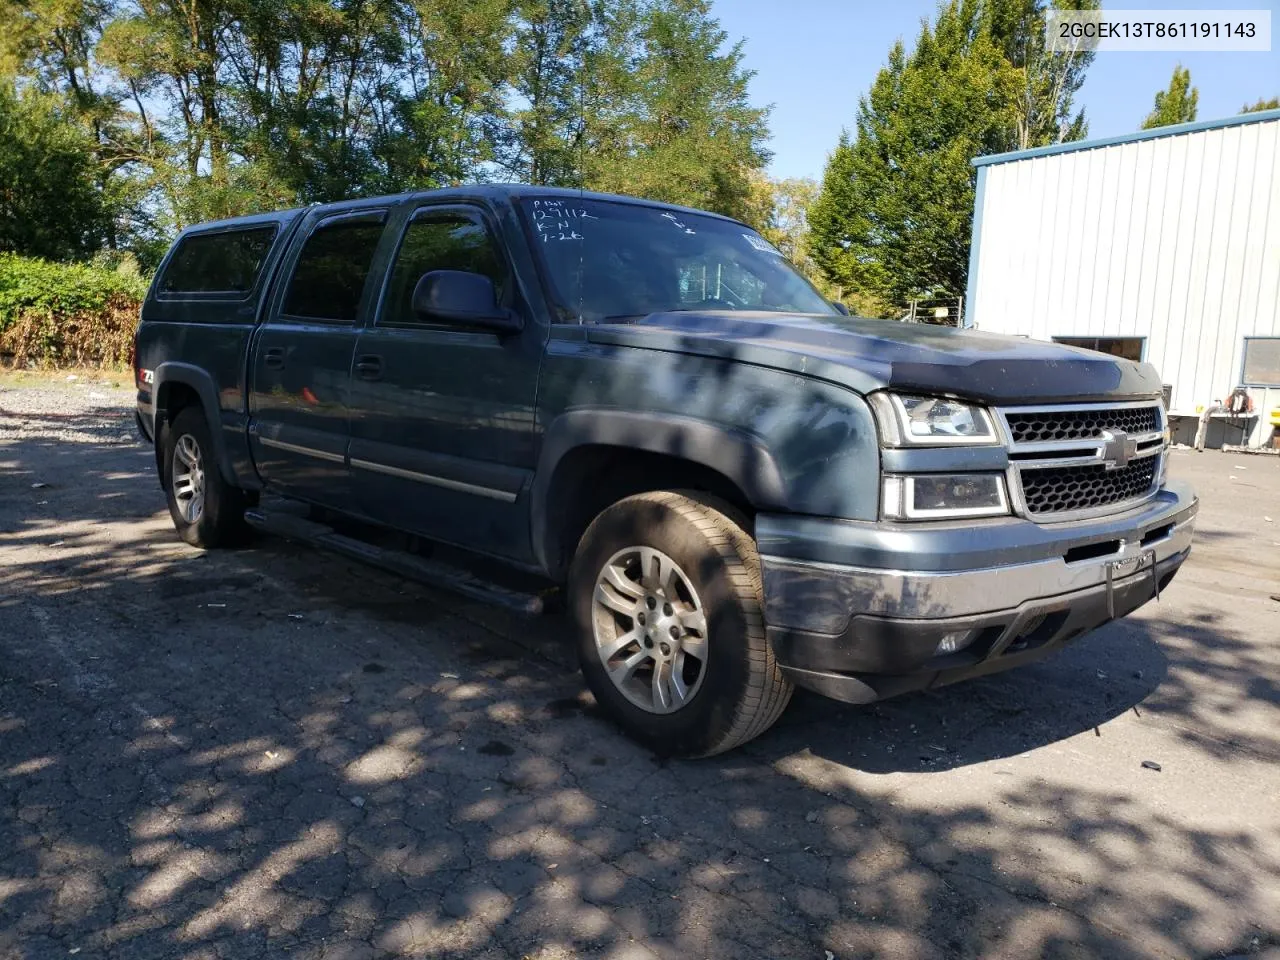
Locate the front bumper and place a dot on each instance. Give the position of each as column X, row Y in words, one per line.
column 857, row 611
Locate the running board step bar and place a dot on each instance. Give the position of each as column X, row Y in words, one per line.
column 408, row 565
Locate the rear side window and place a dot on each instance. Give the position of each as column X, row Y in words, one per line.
column 328, row 281
column 227, row 261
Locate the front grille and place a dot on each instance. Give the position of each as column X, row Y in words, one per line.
column 1052, row 490
column 1039, row 426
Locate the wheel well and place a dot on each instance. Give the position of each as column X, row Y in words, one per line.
column 171, row 399
column 590, row 478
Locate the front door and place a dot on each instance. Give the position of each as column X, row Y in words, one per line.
column 442, row 439
column 301, row 363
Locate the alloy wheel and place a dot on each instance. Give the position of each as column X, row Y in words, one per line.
column 188, row 478
column 650, row 629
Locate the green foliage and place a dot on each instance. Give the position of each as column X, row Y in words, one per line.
column 138, row 117
column 1272, row 104
column 779, row 209
column 51, row 204
column 548, row 133
column 1047, row 81
column 29, row 284
column 677, row 123
column 1177, row 104
column 209, row 109
column 894, row 216
column 54, row 313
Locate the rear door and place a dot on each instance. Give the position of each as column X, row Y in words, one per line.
column 442, row 414
column 301, row 360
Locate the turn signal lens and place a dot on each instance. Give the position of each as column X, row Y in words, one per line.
column 944, row 496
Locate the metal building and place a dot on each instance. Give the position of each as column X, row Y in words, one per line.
column 1162, row 245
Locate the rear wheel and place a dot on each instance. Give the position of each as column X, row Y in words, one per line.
column 665, row 591
column 206, row 510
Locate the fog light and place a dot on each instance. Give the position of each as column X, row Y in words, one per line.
column 955, row 642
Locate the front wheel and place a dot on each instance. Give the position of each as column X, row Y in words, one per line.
column 206, row 510
column 665, row 591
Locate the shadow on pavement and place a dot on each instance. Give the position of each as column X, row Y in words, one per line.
column 272, row 752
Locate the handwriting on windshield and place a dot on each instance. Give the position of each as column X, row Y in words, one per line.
column 558, row 220
column 677, row 221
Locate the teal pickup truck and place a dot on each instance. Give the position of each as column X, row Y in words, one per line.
column 740, row 487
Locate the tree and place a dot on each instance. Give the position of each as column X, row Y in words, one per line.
column 1049, row 80
column 200, row 109
column 677, row 123
column 894, row 215
column 551, row 43
column 893, row 218
column 453, row 124
column 1177, row 104
column 1272, row 104
column 51, row 204
column 779, row 209
column 50, row 46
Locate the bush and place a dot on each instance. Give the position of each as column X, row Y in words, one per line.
column 54, row 314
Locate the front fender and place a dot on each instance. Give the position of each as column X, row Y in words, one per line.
column 738, row 456
column 789, row 443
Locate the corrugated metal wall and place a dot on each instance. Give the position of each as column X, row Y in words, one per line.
column 1175, row 238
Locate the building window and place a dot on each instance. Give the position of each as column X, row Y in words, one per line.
column 1130, row 348
column 1261, row 362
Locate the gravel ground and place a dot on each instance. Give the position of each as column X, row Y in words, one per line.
column 68, row 412
column 275, row 752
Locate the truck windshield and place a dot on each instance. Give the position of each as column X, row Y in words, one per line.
column 610, row 262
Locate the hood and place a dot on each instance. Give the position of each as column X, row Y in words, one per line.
column 907, row 357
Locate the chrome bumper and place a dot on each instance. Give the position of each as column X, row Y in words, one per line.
column 861, row 630
column 837, row 592
column 927, row 571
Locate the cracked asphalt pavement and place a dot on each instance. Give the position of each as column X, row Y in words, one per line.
column 275, row 752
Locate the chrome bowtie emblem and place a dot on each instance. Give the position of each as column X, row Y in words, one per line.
column 1118, row 448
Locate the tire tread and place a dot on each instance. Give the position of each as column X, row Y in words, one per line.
column 222, row 523
column 768, row 691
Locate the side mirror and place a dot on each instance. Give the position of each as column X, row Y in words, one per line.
column 458, row 296
column 840, row 307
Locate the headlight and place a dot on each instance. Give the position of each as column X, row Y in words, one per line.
column 930, row 421
column 942, row 497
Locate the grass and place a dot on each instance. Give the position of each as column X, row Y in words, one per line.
column 16, row 378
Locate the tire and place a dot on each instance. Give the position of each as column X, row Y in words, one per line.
column 709, row 591
column 207, row 511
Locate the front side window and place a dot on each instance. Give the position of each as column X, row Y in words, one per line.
column 440, row 241
column 328, row 280
column 616, row 262
column 225, row 261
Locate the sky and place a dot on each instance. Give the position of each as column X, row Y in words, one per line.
column 814, row 59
